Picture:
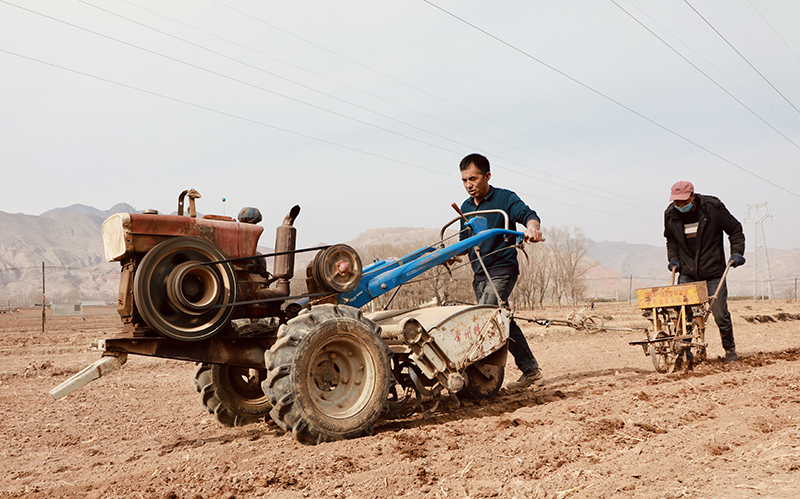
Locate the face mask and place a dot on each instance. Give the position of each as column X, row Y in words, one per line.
column 684, row 209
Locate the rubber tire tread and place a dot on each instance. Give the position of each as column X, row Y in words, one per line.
column 280, row 384
column 224, row 410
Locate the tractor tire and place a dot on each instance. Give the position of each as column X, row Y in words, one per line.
column 232, row 394
column 328, row 375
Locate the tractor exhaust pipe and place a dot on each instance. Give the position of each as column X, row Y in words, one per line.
column 285, row 242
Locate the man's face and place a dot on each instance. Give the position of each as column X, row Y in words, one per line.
column 475, row 182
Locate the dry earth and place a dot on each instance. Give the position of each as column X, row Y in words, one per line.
column 605, row 425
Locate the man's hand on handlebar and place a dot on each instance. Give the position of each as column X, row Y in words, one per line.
column 533, row 232
column 532, row 236
column 454, row 260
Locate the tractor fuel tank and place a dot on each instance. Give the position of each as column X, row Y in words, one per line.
column 126, row 234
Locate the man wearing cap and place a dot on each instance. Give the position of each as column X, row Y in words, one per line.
column 693, row 226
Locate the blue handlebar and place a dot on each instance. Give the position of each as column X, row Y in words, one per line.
column 382, row 277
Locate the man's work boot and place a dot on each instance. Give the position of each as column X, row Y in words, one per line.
column 730, row 356
column 532, row 377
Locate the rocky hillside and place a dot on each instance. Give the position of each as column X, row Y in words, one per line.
column 639, row 265
column 68, row 241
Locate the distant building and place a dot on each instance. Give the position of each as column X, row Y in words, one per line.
column 59, row 309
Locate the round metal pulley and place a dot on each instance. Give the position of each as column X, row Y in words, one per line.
column 337, row 268
column 193, row 287
column 174, row 290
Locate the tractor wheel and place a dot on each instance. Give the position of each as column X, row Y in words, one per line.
column 232, row 394
column 175, row 292
column 484, row 380
column 328, row 375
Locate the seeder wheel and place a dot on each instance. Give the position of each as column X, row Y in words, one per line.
column 665, row 358
column 699, row 329
column 174, row 291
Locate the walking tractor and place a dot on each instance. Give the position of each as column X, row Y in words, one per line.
column 195, row 289
column 676, row 337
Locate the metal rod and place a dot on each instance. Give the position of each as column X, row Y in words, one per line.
column 278, row 253
column 488, row 277
column 392, row 297
column 713, row 299
column 266, row 300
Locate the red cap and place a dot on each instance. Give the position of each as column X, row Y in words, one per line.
column 681, row 191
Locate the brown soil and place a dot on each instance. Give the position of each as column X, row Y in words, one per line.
column 605, row 425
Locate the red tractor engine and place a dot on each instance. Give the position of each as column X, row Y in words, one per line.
column 181, row 274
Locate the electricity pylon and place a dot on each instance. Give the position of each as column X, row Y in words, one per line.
column 762, row 278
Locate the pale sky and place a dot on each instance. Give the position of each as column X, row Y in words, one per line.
column 360, row 111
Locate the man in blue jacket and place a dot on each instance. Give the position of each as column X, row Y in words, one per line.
column 499, row 255
column 693, row 226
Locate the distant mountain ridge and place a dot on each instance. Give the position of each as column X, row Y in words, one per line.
column 89, row 210
column 69, row 242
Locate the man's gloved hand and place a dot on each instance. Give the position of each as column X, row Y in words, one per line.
column 674, row 265
column 736, row 260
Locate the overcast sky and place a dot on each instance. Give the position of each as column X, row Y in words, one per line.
column 360, row 111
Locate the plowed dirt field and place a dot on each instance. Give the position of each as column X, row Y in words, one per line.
column 604, row 425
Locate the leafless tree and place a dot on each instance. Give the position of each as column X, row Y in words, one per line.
column 569, row 251
column 536, row 276
column 549, row 271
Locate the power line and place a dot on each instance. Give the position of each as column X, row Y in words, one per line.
column 740, row 55
column 617, row 200
column 292, row 132
column 223, row 113
column 388, row 101
column 424, row 92
column 597, row 92
column 768, row 108
column 774, row 30
column 221, row 75
column 707, row 76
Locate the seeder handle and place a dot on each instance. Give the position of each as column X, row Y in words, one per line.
column 672, row 277
column 713, row 299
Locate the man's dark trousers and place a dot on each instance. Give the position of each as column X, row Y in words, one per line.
column 518, row 346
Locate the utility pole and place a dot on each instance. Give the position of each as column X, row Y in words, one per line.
column 630, row 289
column 44, row 300
column 762, row 278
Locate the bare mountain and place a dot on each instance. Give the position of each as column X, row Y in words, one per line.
column 395, row 236
column 93, row 212
column 71, row 249
column 647, row 266
column 69, row 242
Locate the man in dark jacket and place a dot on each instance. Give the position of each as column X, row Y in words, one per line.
column 693, row 226
column 500, row 255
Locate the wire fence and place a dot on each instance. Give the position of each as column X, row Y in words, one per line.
column 617, row 288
